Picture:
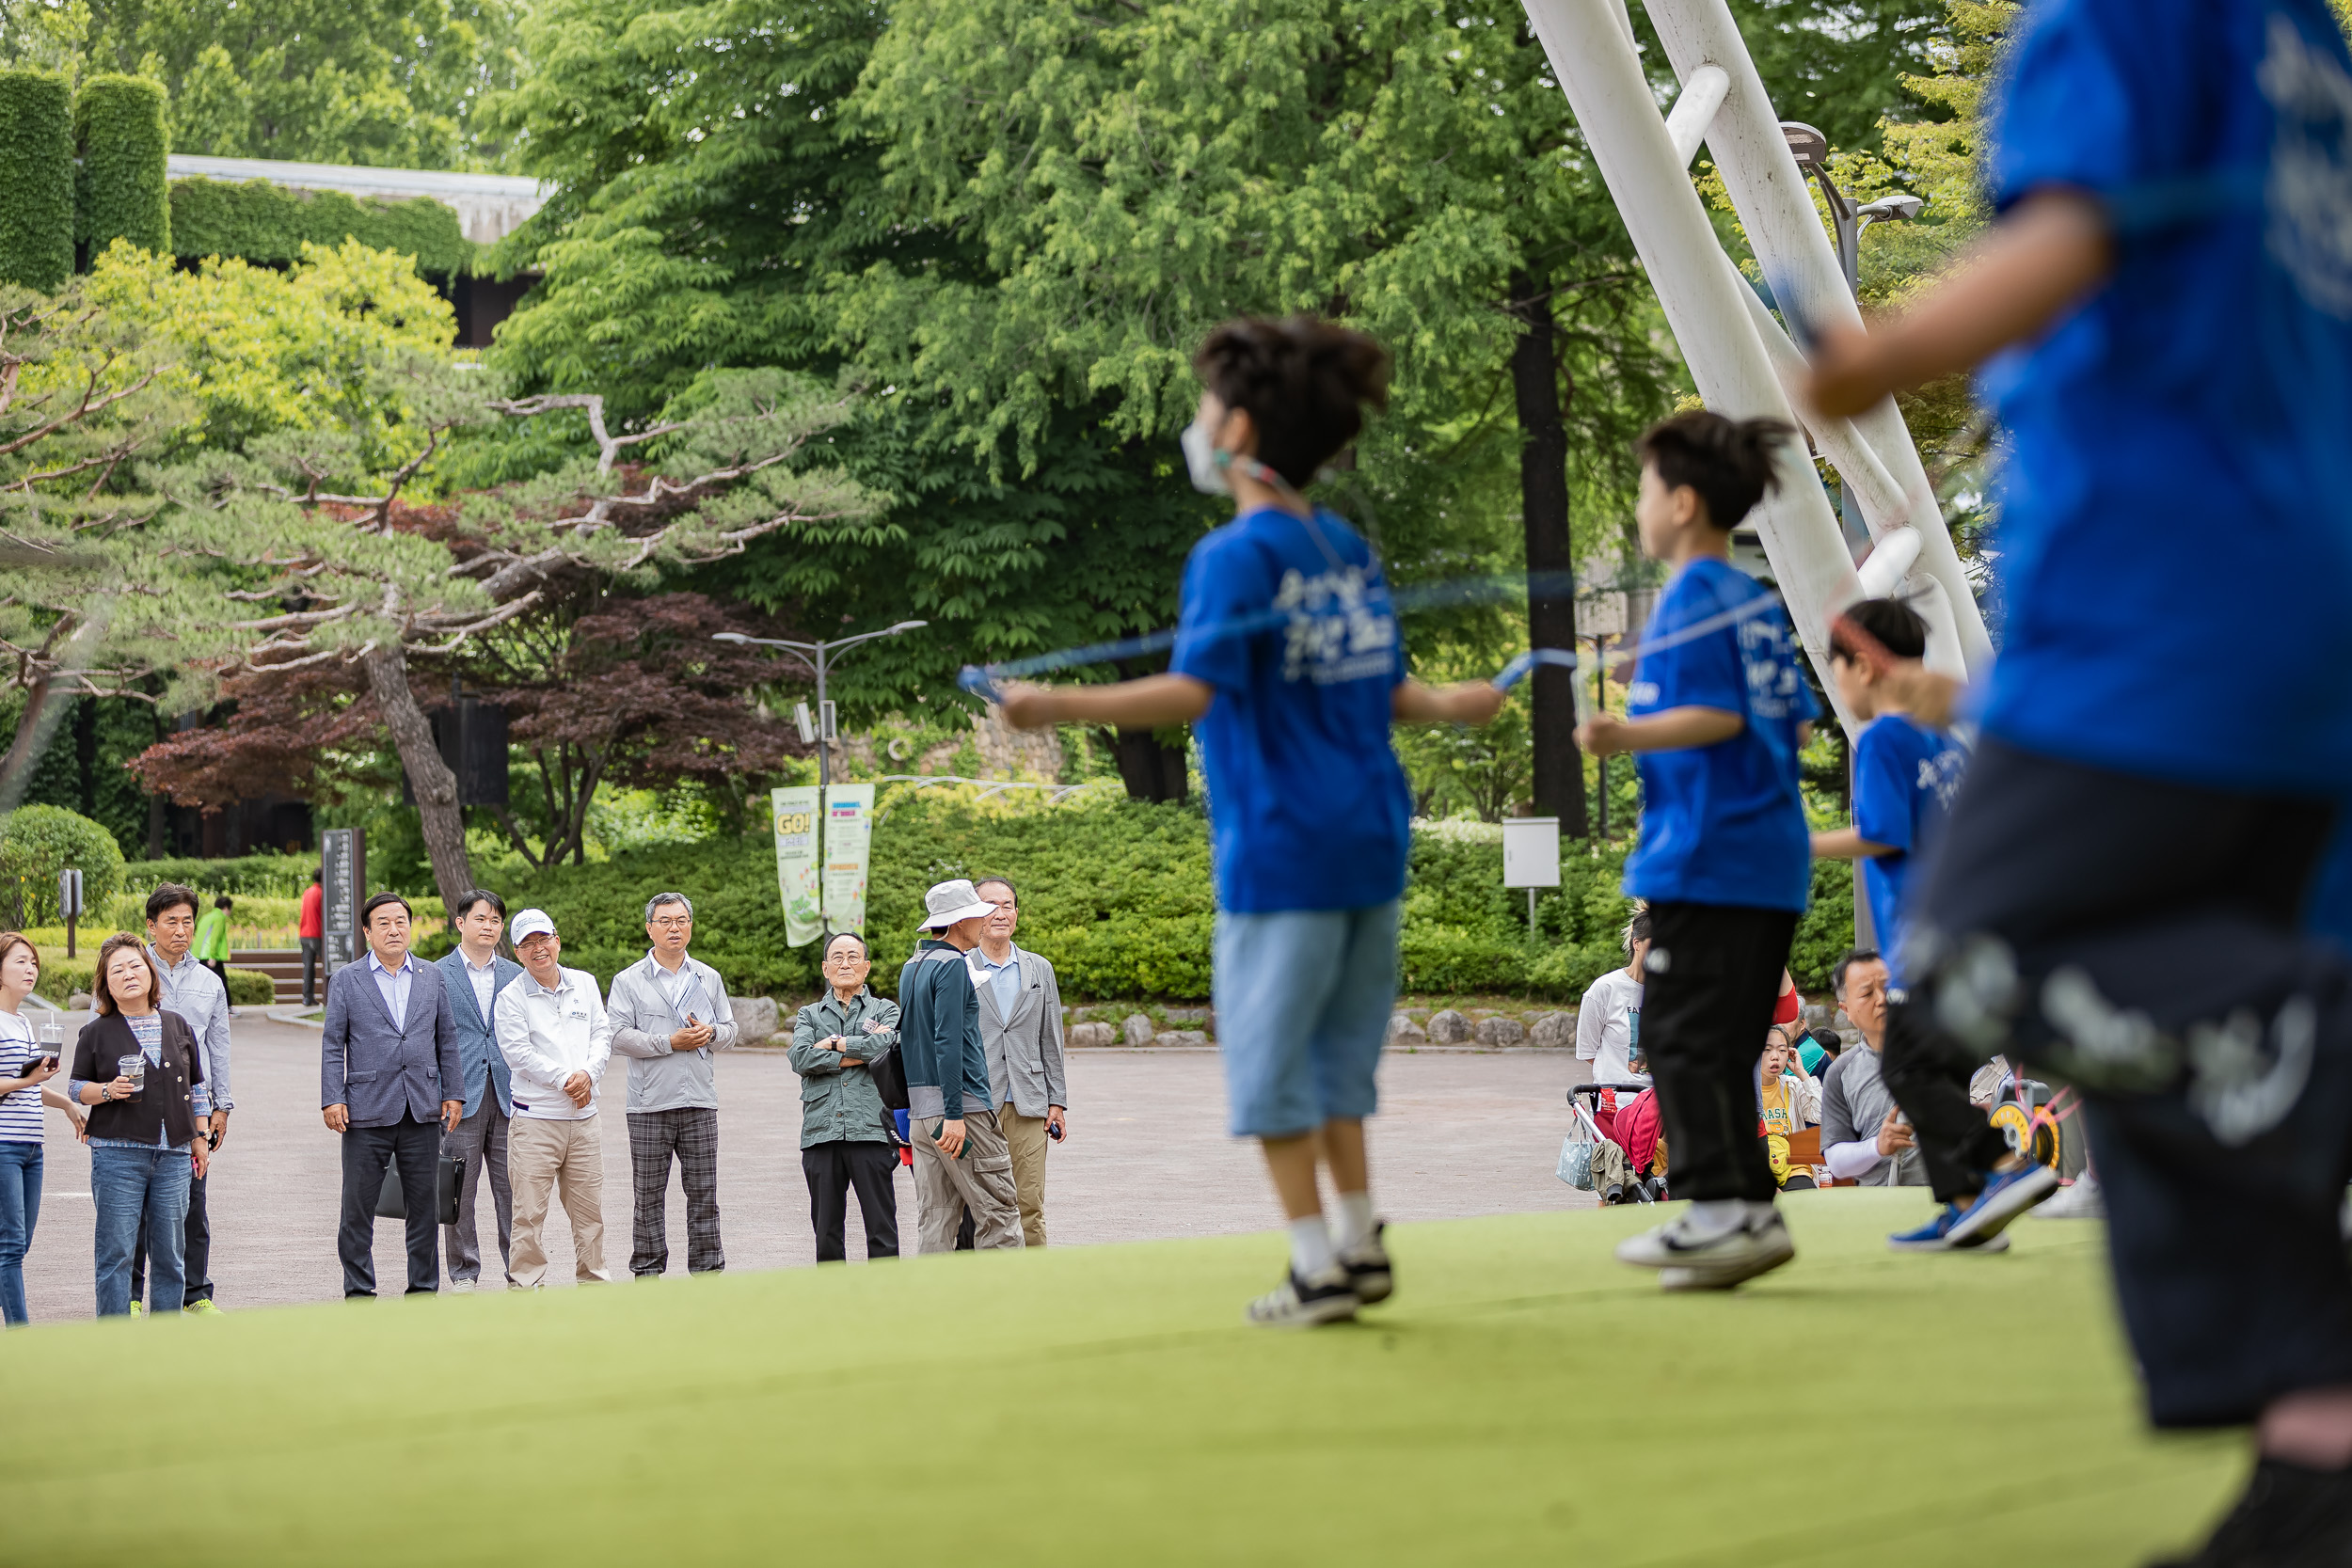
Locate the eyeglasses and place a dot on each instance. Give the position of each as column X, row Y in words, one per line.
column 672, row 922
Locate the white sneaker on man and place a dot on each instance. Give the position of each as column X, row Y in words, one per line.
column 1714, row 1250
column 2080, row 1201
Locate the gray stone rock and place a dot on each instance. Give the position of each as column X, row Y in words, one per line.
column 79, row 1001
column 1139, row 1030
column 1404, row 1030
column 1180, row 1036
column 1085, row 1035
column 756, row 1019
column 1502, row 1031
column 1552, row 1030
column 1449, row 1027
column 1186, row 1015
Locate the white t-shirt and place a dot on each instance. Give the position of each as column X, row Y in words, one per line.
column 1604, row 1027
column 19, row 1113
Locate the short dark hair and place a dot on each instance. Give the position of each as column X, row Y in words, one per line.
column 170, row 895
column 224, row 902
column 827, row 951
column 1897, row 627
column 1636, row 930
column 104, row 999
column 1728, row 462
column 367, row 910
column 318, row 875
column 1851, row 957
column 472, row 896
column 1303, row 381
column 1005, row 882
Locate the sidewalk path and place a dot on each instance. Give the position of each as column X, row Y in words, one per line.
column 1460, row 1133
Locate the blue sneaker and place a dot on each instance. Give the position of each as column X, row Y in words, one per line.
column 2006, row 1195
column 1936, row 1236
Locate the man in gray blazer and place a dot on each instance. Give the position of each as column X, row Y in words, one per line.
column 1021, row 1030
column 473, row 974
column 388, row 1072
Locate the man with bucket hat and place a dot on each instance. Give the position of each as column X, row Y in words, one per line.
column 961, row 1159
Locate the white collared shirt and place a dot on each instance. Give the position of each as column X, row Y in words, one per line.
column 485, row 982
column 393, row 984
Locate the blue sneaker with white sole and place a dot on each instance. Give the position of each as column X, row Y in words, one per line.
column 1936, row 1236
column 2006, row 1195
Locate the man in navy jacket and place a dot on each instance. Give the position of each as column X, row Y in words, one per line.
column 473, row 973
column 387, row 1073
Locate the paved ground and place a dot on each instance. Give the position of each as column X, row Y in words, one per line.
column 1461, row 1133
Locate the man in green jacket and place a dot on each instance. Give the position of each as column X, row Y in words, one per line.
column 961, row 1159
column 212, row 939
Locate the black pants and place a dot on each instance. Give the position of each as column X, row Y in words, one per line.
column 1928, row 1073
column 831, row 1170
column 312, row 947
column 1707, row 1002
column 2142, row 938
column 196, row 1267
column 220, row 971
column 415, row 1146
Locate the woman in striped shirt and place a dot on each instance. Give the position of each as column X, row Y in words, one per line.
column 24, row 1069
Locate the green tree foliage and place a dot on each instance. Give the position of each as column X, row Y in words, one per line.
column 85, row 767
column 1841, row 66
column 269, row 225
column 119, row 189
column 37, row 843
column 35, row 178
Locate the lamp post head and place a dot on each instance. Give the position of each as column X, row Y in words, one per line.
column 1892, row 209
column 909, row 626
column 728, row 637
column 1809, row 146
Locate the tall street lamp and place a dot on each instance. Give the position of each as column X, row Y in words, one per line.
column 1850, row 218
column 818, row 657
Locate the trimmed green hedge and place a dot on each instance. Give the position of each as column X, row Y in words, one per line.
column 266, row 223
column 37, row 842
column 36, row 179
column 120, row 189
column 59, row 977
column 261, row 876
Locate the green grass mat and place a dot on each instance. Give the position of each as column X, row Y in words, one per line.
column 1523, row 1401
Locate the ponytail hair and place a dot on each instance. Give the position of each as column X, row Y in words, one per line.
column 1727, row 461
column 1304, row 383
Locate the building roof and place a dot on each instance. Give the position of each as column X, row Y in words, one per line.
column 489, row 207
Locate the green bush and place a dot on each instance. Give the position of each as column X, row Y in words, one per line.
column 62, row 976
column 266, row 223
column 121, row 192
column 37, row 842
column 36, row 179
column 1826, row 930
column 269, row 875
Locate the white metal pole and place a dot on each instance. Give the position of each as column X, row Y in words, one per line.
column 1596, row 65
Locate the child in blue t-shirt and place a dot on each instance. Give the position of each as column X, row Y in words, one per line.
column 1717, row 714
column 1289, row 659
column 1905, row 774
column 2164, row 312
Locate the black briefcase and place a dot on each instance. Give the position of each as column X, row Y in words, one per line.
column 448, row 1179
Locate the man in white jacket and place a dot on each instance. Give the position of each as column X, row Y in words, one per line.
column 553, row 1030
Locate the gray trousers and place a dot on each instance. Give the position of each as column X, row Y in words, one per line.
column 980, row 1179
column 480, row 1140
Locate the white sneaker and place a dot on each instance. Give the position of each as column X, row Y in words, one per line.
column 461, row 1286
column 1690, row 1255
column 2080, row 1201
column 1306, row 1303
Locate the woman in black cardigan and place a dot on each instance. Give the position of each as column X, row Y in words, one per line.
column 143, row 1140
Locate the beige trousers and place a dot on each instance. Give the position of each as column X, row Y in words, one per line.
column 546, row 1157
column 980, row 1178
column 1026, row 1140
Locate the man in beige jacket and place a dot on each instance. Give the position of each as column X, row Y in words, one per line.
column 1021, row 1029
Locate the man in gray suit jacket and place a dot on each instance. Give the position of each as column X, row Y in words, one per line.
column 1021, row 1030
column 387, row 1060
column 473, row 974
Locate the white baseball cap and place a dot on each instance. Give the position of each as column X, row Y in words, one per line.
column 529, row 922
column 950, row 902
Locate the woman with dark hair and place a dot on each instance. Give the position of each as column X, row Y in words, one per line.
column 140, row 1067
column 25, row 1069
column 845, row 1129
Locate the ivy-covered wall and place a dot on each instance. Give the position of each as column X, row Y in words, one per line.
column 120, row 191
column 35, row 179
column 266, row 223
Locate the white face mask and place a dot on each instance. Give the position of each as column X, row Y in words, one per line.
column 1208, row 474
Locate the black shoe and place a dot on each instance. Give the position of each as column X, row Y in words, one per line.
column 1369, row 1272
column 2290, row 1517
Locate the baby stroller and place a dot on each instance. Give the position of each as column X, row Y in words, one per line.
column 1591, row 1161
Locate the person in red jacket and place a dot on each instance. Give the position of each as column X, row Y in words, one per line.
column 311, row 928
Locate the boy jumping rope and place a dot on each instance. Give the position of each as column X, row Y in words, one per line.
column 1905, row 774
column 1717, row 714
column 2117, row 891
column 1287, row 653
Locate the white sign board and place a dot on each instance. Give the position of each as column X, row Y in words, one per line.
column 1531, row 852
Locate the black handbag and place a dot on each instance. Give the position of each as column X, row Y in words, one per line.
column 890, row 1079
column 449, row 1180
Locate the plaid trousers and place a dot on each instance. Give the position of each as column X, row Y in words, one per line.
column 691, row 1132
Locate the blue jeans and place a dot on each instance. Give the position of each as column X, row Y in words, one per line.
column 140, row 1189
column 1303, row 998
column 19, row 1210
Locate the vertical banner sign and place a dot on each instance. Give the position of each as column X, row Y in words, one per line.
column 797, row 866
column 849, row 842
column 342, row 882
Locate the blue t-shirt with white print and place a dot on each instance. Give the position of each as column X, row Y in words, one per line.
column 2179, row 440
column 1905, row 777
column 1723, row 823
column 1290, row 621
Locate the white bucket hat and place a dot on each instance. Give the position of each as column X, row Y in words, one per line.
column 952, row 902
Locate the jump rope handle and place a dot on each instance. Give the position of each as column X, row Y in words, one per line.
column 1524, row 665
column 975, row 679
